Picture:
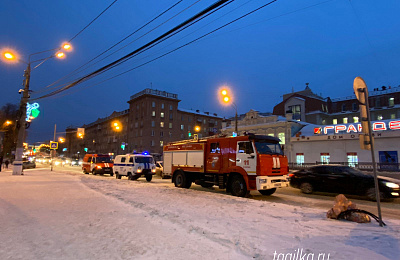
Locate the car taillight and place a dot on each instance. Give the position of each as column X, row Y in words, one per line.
column 290, row 175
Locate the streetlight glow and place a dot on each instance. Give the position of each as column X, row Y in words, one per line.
column 197, row 128
column 9, row 56
column 60, row 55
column 67, row 47
column 224, row 92
column 226, row 99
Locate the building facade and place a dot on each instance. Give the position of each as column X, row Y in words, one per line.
column 152, row 120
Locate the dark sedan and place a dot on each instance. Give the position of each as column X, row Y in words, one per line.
column 342, row 179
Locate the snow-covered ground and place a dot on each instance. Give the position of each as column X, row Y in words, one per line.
column 55, row 215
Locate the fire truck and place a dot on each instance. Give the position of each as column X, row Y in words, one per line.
column 238, row 164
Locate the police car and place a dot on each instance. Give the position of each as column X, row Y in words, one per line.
column 134, row 165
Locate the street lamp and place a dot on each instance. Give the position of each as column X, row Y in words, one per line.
column 227, row 99
column 11, row 56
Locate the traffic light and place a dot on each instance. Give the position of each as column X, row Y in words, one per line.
column 80, row 132
column 190, row 134
column 123, row 146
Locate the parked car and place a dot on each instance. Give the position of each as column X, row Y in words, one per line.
column 343, row 179
column 28, row 164
column 134, row 165
column 160, row 169
column 97, row 164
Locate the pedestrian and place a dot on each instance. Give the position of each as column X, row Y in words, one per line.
column 6, row 163
column 1, row 161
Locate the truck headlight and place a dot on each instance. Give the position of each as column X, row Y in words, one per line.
column 392, row 185
column 98, row 167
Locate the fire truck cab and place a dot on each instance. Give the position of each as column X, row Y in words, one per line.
column 237, row 164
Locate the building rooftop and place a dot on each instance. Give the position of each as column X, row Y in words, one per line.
column 155, row 92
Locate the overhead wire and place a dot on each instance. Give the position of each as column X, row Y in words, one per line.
column 78, row 70
column 84, row 28
column 180, row 47
column 176, row 28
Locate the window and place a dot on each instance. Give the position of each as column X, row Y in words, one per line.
column 182, row 136
column 153, row 124
column 152, row 143
column 170, row 125
column 325, row 158
column 391, row 102
column 161, row 143
column 345, row 120
column 216, row 122
column 214, row 148
column 182, row 118
column 131, row 160
column 153, row 104
column 153, row 113
column 182, row 127
column 354, row 106
column 170, row 107
column 245, row 147
column 152, row 133
column 378, row 102
column 123, row 159
column 282, row 137
column 162, row 114
column 379, row 117
column 355, row 119
column 352, row 159
column 189, row 119
column 162, row 105
column 296, row 112
column 343, row 107
column 161, row 133
column 161, row 124
column 170, row 134
column 136, row 124
column 299, row 158
column 334, row 121
column 171, row 116
column 271, row 135
column 392, row 116
column 137, row 107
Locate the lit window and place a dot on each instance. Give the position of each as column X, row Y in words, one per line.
column 161, row 143
column 170, row 125
column 391, row 101
column 380, row 117
column 153, row 113
column 299, row 158
column 345, row 120
column 161, row 124
column 281, row 136
column 392, row 116
column 334, row 121
column 352, row 159
column 271, row 135
column 182, row 127
column 325, row 158
column 162, row 114
column 355, row 119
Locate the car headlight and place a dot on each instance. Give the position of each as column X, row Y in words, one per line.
column 57, row 163
column 392, row 185
column 98, row 167
column 262, row 180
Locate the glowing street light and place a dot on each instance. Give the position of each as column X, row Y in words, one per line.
column 67, row 46
column 197, row 128
column 9, row 56
column 226, row 99
column 61, row 139
column 60, row 55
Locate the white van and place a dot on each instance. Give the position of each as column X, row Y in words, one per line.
column 133, row 166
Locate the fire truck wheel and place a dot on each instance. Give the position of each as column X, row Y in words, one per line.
column 181, row 180
column 117, row 175
column 129, row 176
column 238, row 186
column 85, row 172
column 306, row 188
column 94, row 172
column 111, row 174
column 267, row 192
column 149, row 177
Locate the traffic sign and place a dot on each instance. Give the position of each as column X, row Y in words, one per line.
column 54, row 145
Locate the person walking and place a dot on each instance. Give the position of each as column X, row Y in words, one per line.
column 6, row 163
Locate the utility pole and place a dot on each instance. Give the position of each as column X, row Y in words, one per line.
column 53, row 151
column 21, row 124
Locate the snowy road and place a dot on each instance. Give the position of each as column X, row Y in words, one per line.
column 60, row 215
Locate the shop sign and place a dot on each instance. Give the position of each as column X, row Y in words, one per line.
column 356, row 128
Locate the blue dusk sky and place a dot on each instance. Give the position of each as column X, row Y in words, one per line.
column 261, row 57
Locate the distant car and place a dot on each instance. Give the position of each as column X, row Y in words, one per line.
column 76, row 162
column 28, row 164
column 160, row 169
column 343, row 179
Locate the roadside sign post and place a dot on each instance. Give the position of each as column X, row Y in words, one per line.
column 366, row 139
column 53, row 148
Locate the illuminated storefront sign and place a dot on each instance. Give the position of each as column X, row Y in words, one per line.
column 32, row 111
column 356, row 128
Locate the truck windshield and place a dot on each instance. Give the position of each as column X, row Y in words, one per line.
column 142, row 159
column 268, row 148
column 103, row 159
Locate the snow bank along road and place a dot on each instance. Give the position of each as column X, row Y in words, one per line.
column 56, row 215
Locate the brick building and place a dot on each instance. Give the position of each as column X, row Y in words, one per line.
column 152, row 120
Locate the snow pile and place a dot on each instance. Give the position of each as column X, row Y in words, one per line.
column 50, row 215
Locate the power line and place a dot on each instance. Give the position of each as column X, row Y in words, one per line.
column 84, row 28
column 78, row 70
column 180, row 47
column 171, row 31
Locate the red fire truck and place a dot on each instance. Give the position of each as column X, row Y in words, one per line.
column 237, row 164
